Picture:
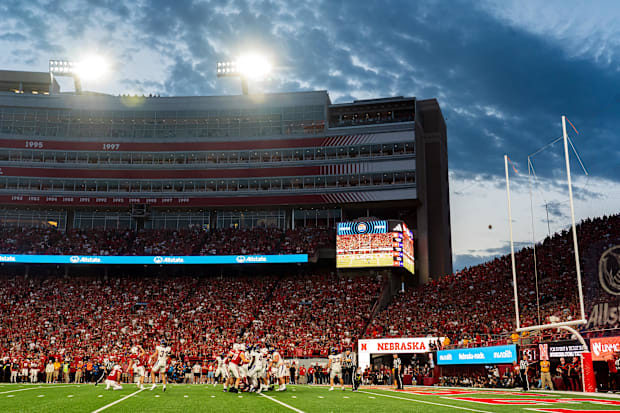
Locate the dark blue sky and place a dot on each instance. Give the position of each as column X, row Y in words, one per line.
column 503, row 71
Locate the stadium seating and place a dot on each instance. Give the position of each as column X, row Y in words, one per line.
column 191, row 241
column 303, row 314
column 79, row 317
column 475, row 305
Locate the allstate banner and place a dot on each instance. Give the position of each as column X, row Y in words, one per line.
column 480, row 355
column 153, row 259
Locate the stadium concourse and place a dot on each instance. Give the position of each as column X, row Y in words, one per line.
column 302, row 311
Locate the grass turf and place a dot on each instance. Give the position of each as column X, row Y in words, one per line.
column 197, row 398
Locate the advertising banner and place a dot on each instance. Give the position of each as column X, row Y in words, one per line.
column 604, row 348
column 481, row 355
column 393, row 346
column 150, row 259
column 566, row 349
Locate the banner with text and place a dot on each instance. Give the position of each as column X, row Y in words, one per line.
column 566, row 349
column 480, row 355
column 604, row 348
column 393, row 346
column 150, row 259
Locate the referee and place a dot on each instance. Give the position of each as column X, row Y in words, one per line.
column 398, row 372
column 523, row 368
column 347, row 367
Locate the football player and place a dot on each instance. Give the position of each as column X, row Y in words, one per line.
column 138, row 361
column 334, row 366
column 278, row 362
column 114, row 378
column 162, row 352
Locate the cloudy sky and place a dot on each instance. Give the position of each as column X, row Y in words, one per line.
column 503, row 71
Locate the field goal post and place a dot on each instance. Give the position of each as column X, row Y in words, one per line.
column 587, row 377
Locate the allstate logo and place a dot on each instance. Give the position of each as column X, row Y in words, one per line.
column 240, row 259
column 361, row 227
column 609, row 270
column 74, row 259
column 158, row 260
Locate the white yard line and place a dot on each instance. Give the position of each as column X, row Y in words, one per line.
column 424, row 401
column 37, row 388
column 281, row 403
column 118, row 401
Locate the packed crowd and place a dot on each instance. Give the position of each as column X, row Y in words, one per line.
column 87, row 317
column 484, row 310
column 303, row 315
column 190, row 241
column 309, row 314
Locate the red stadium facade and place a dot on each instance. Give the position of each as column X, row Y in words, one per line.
column 288, row 160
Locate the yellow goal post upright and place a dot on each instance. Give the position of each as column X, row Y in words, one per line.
column 588, row 381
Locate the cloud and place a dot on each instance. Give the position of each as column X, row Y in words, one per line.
column 503, row 72
column 503, row 78
column 582, row 34
column 12, row 37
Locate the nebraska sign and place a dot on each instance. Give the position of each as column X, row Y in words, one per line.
column 396, row 345
column 393, row 345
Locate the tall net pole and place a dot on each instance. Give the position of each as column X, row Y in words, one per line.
column 572, row 216
column 512, row 247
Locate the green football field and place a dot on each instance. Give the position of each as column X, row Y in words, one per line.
column 199, row 398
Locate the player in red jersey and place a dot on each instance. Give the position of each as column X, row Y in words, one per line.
column 138, row 361
column 237, row 358
column 114, row 377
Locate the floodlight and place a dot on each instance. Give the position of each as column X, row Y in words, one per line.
column 91, row 68
column 248, row 66
column 62, row 67
column 253, row 66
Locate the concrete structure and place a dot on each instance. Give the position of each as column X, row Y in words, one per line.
column 285, row 159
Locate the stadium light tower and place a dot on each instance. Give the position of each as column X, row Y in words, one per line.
column 91, row 68
column 66, row 68
column 250, row 66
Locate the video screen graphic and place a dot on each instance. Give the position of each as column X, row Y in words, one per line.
column 374, row 244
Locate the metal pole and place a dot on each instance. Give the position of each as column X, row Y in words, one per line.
column 553, row 325
column 533, row 238
column 572, row 216
column 512, row 248
column 244, row 85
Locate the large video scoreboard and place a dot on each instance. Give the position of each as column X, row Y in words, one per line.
column 387, row 243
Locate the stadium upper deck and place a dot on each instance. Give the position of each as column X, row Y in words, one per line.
column 291, row 158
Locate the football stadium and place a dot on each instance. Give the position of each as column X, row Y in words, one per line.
column 281, row 251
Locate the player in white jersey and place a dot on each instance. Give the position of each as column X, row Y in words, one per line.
column 162, row 352
column 256, row 369
column 34, row 371
column 221, row 371
column 277, row 362
column 334, row 366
